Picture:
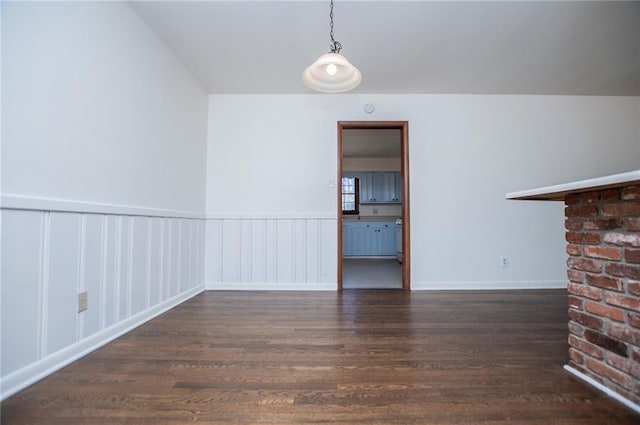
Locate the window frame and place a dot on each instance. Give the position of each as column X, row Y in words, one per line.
column 356, row 185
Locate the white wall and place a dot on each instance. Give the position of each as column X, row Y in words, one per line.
column 103, row 181
column 96, row 109
column 273, row 156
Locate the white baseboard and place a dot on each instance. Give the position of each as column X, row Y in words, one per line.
column 630, row 404
column 415, row 286
column 270, row 286
column 454, row 285
column 28, row 375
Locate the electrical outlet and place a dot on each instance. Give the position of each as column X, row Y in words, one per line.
column 504, row 262
column 82, row 302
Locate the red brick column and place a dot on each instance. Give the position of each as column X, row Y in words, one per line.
column 603, row 243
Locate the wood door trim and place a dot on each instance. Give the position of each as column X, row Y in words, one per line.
column 404, row 170
column 339, row 193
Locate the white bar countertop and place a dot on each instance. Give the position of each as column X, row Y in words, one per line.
column 560, row 191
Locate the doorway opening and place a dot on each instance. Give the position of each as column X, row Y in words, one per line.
column 373, row 205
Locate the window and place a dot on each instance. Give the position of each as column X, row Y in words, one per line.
column 350, row 197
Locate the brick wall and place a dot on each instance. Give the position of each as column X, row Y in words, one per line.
column 603, row 243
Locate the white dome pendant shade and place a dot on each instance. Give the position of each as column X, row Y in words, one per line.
column 331, row 73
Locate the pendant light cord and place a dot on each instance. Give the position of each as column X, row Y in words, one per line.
column 332, row 72
column 335, row 45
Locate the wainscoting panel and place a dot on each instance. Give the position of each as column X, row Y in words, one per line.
column 109, row 297
column 61, row 285
column 156, row 254
column 133, row 267
column 22, row 236
column 231, row 261
column 173, row 259
column 91, row 272
column 271, row 253
column 123, row 263
column 285, row 251
column 140, row 264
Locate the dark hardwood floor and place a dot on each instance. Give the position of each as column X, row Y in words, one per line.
column 361, row 357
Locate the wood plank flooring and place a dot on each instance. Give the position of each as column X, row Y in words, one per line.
column 361, row 357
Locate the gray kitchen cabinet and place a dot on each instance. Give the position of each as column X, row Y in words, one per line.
column 378, row 187
column 368, row 238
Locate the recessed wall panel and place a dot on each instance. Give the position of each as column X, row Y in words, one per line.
column 185, row 254
column 91, row 274
column 22, row 236
column 123, row 273
column 231, row 250
column 139, row 264
column 109, row 272
column 157, row 258
column 61, row 294
column 175, row 250
column 285, row 250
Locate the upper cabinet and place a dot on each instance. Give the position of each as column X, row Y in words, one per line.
column 379, row 187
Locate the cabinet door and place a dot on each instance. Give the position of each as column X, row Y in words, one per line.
column 386, row 239
column 397, row 186
column 369, row 239
column 379, row 186
column 389, row 184
column 356, row 239
column 348, row 240
column 366, row 188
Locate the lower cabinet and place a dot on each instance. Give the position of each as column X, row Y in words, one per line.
column 368, row 238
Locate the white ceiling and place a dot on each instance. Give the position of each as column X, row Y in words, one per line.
column 481, row 47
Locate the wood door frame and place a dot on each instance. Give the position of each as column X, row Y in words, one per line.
column 404, row 171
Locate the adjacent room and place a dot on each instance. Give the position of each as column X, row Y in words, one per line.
column 371, row 208
column 197, row 225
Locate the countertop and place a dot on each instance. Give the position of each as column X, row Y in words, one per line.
column 370, row 218
column 560, row 191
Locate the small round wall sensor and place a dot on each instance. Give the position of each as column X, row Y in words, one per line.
column 369, row 108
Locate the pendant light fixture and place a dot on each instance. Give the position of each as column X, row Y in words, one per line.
column 332, row 72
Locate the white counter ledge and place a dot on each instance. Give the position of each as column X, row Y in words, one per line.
column 559, row 191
